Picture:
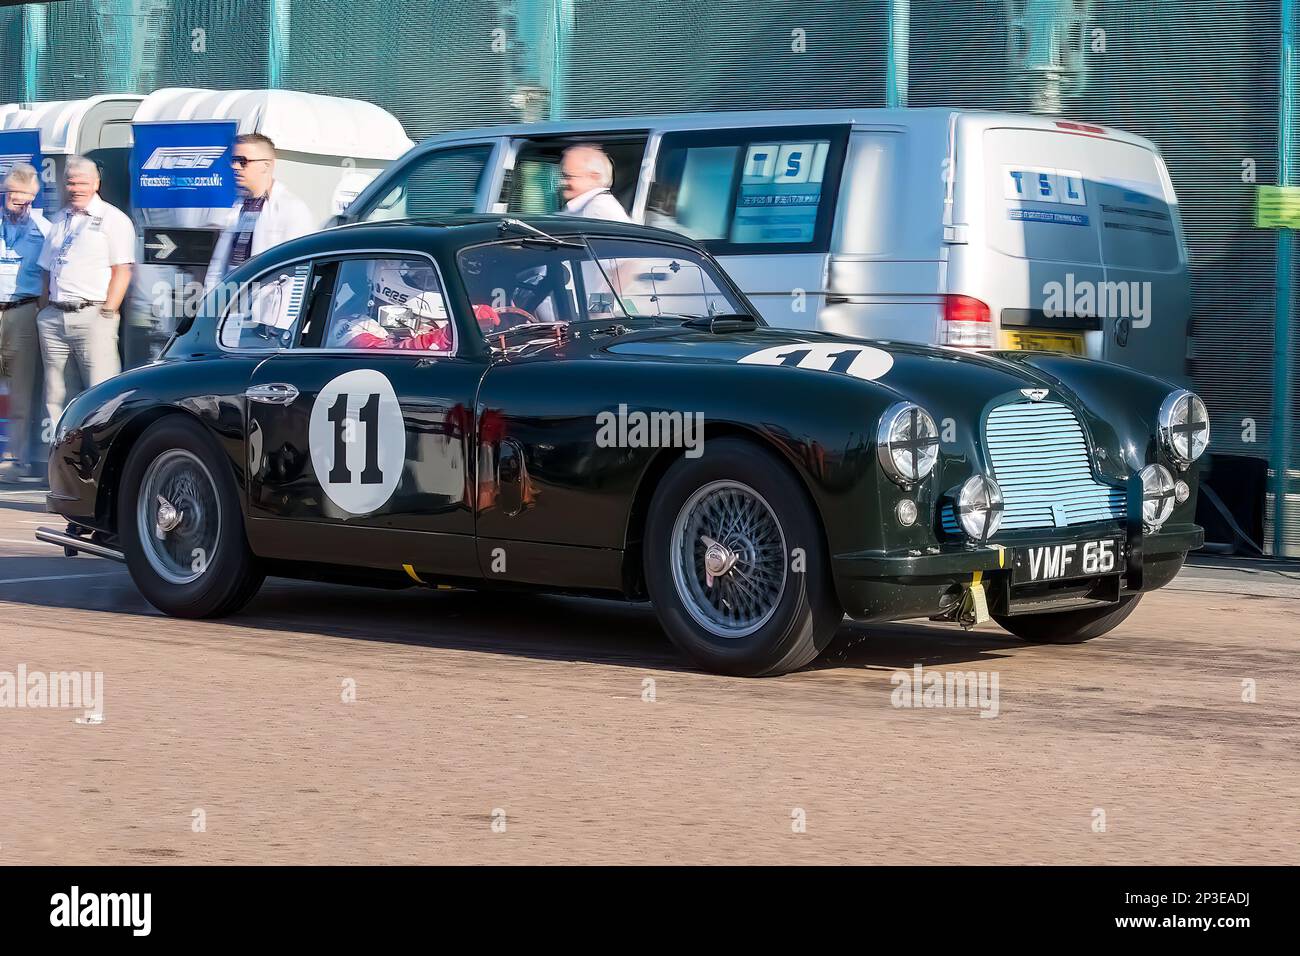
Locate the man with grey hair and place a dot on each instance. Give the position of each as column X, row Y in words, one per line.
column 22, row 235
column 586, row 174
column 88, row 254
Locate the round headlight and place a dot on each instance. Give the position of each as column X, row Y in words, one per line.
column 1157, row 496
column 979, row 507
column 907, row 443
column 1184, row 426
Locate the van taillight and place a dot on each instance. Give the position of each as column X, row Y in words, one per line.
column 967, row 323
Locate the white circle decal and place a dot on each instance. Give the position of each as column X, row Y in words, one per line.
column 358, row 440
column 860, row 361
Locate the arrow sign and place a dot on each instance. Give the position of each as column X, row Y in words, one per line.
column 165, row 246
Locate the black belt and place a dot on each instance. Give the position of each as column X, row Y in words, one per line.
column 15, row 303
column 72, row 306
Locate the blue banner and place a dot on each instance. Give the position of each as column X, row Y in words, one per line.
column 182, row 165
column 22, row 146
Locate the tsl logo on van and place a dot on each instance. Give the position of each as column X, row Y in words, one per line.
column 1042, row 185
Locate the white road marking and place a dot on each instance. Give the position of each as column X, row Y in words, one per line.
column 58, row 577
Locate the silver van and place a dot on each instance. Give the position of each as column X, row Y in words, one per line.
column 970, row 229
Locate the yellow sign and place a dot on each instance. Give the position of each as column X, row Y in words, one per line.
column 1277, row 207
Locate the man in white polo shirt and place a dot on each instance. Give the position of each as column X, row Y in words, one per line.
column 88, row 256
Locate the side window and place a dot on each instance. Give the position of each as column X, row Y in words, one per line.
column 264, row 313
column 534, row 185
column 443, row 182
column 389, row 303
column 752, row 190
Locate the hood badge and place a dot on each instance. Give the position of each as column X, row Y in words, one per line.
column 1034, row 394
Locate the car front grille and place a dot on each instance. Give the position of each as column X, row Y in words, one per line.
column 1041, row 462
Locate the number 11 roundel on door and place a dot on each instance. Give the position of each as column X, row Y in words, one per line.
column 358, row 440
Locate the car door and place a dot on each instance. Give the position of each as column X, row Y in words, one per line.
column 360, row 435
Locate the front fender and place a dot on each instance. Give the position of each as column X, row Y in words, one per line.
column 98, row 428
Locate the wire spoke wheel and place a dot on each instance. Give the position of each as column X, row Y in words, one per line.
column 178, row 516
column 728, row 559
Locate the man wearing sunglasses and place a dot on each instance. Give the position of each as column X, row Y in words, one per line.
column 266, row 214
column 22, row 235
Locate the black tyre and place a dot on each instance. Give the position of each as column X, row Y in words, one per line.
column 181, row 526
column 736, row 565
column 1069, row 627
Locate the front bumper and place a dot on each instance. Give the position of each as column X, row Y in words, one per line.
column 884, row 585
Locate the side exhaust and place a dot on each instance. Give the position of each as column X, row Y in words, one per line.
column 72, row 544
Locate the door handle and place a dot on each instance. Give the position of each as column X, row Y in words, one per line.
column 277, row 393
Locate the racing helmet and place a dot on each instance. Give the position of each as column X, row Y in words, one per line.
column 394, row 281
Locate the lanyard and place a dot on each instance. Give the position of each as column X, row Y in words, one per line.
column 71, row 235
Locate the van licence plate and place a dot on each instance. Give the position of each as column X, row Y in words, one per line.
column 1070, row 343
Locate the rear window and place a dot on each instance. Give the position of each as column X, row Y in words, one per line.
column 1079, row 199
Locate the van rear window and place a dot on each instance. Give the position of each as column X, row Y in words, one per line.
column 1057, row 197
column 742, row 190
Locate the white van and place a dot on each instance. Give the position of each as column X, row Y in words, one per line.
column 932, row 225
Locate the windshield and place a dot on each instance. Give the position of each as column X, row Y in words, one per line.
column 529, row 282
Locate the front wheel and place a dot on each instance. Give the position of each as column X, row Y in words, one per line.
column 180, row 524
column 1069, row 627
column 735, row 563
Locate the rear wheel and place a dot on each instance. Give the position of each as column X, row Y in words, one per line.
column 1069, row 627
column 735, row 563
column 181, row 526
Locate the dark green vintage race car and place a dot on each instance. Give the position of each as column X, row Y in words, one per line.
column 593, row 407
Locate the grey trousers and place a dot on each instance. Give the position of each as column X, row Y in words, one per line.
column 80, row 350
column 19, row 356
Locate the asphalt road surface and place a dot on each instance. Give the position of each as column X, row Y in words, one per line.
column 533, row 729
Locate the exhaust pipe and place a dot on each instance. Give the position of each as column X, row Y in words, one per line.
column 72, row 544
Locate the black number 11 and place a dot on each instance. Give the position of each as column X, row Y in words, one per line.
column 340, row 474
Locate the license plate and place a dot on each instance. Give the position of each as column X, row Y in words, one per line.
column 1070, row 343
column 1078, row 559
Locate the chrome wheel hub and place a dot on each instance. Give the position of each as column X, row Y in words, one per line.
column 729, row 559
column 178, row 516
column 718, row 559
column 167, row 519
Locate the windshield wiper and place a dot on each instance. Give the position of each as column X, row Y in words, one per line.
column 540, row 236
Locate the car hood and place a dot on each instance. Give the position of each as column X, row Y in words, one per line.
column 929, row 375
column 1115, row 405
